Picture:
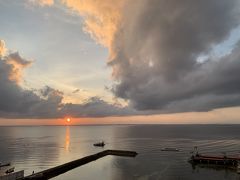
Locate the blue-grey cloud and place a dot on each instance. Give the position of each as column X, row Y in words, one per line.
column 156, row 49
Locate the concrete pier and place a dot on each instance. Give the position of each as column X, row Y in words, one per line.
column 55, row 171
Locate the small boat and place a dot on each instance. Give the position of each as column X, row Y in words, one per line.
column 170, row 149
column 99, row 144
column 8, row 172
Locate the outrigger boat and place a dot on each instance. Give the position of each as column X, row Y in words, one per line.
column 99, row 144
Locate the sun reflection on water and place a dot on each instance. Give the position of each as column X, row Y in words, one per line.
column 67, row 139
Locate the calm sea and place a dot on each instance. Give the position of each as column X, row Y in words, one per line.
column 39, row 148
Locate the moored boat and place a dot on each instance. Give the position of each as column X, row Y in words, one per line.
column 99, row 144
column 170, row 149
column 229, row 162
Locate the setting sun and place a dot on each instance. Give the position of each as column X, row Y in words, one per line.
column 68, row 120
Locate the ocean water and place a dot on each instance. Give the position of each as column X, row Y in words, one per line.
column 42, row 147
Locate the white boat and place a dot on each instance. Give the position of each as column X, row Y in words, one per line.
column 170, row 149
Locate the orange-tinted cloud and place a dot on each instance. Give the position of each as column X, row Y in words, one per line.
column 102, row 18
column 2, row 48
column 18, row 64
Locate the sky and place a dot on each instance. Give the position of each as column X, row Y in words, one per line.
column 114, row 62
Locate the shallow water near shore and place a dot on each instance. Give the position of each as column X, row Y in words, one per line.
column 42, row 147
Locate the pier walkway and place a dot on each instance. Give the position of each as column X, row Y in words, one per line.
column 55, row 171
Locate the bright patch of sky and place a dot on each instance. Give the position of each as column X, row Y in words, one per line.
column 64, row 56
column 224, row 48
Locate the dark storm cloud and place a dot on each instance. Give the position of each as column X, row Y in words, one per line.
column 156, row 50
column 214, row 84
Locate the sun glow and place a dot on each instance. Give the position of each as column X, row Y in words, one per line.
column 68, row 120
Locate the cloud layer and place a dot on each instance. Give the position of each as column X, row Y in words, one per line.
column 154, row 46
column 17, row 102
